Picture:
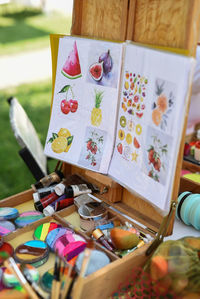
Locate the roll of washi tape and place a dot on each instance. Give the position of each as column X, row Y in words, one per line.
column 42, row 230
column 55, row 234
column 181, row 199
column 28, row 217
column 6, row 227
column 10, row 280
column 186, row 206
column 70, row 245
column 98, row 260
column 33, row 252
column 8, row 213
column 194, row 214
column 6, row 250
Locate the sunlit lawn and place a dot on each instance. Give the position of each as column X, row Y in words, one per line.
column 23, row 29
column 35, row 98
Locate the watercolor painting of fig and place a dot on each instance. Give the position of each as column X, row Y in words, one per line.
column 103, row 65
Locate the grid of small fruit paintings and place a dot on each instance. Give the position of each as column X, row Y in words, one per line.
column 133, row 137
column 150, row 119
column 82, row 125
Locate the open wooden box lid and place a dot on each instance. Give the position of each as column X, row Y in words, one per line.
column 166, row 23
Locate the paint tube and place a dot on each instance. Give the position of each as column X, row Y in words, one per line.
column 42, row 192
column 54, row 177
column 72, row 190
column 45, row 201
column 61, row 203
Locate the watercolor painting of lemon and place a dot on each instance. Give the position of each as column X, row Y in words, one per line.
column 61, row 141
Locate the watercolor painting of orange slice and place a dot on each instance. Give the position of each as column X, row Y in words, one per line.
column 121, row 134
column 138, row 129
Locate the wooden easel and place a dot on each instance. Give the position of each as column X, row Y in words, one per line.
column 168, row 23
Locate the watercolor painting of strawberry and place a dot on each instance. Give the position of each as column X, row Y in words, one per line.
column 93, row 148
column 156, row 157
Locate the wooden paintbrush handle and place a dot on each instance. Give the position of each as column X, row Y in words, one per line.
column 58, row 285
column 66, row 287
column 30, row 291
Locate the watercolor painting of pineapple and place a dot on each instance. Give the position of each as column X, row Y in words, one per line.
column 163, row 104
column 96, row 114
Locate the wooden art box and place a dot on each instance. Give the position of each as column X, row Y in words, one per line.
column 119, row 269
column 162, row 23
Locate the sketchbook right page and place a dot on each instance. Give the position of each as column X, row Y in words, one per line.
column 152, row 109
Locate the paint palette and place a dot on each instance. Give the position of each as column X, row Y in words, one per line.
column 32, row 252
column 6, row 227
column 10, row 280
column 6, row 250
column 70, row 245
column 98, row 260
column 27, row 218
column 8, row 213
column 46, row 280
column 42, row 230
column 56, row 234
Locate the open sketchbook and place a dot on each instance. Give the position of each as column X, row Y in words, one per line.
column 118, row 109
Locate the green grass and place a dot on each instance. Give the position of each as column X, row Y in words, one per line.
column 35, row 98
column 28, row 29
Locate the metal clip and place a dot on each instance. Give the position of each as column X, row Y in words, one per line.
column 162, row 231
column 105, row 190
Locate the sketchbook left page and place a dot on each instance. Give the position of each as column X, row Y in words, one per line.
column 85, row 102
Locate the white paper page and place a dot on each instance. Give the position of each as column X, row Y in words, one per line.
column 149, row 126
column 82, row 124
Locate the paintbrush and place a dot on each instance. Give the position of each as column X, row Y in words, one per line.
column 41, row 294
column 55, row 291
column 13, row 268
column 77, row 288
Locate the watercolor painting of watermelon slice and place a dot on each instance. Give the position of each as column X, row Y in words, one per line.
column 72, row 68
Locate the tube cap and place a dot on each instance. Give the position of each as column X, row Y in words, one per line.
column 36, row 197
column 97, row 233
column 60, row 174
column 60, row 189
column 38, row 185
column 48, row 211
column 38, row 206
